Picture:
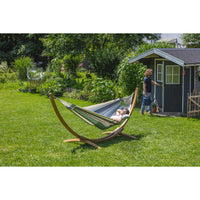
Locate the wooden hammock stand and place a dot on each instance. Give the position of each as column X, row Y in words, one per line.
column 111, row 134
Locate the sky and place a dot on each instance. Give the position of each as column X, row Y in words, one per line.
column 171, row 35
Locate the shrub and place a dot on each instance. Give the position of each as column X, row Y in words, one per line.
column 51, row 87
column 100, row 90
column 68, row 80
column 130, row 75
column 72, row 63
column 79, row 84
column 56, row 65
column 105, row 62
column 82, row 86
column 21, row 64
column 5, row 77
column 3, row 67
column 48, row 75
column 83, row 79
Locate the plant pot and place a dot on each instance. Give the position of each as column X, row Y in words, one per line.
column 153, row 109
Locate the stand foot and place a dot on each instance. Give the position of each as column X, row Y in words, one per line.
column 129, row 136
column 85, row 141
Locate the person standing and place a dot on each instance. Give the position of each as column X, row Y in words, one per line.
column 147, row 96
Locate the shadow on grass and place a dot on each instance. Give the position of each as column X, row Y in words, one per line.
column 118, row 139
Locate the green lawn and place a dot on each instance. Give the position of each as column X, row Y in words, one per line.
column 32, row 135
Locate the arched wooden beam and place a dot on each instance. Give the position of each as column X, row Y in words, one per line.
column 112, row 134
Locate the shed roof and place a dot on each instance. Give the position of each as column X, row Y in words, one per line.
column 180, row 56
column 188, row 55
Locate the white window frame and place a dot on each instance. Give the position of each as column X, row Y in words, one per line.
column 172, row 75
column 162, row 71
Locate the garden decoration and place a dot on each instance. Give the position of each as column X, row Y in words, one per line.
column 35, row 76
column 99, row 116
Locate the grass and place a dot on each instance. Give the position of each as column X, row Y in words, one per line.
column 32, row 135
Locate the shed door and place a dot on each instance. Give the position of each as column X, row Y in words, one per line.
column 173, row 89
column 159, row 79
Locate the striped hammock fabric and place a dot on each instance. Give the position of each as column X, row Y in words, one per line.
column 99, row 115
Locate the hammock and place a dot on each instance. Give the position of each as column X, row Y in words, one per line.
column 99, row 115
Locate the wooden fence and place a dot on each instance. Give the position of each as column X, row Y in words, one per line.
column 193, row 105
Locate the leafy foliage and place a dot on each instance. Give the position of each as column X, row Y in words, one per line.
column 130, row 75
column 55, row 84
column 5, row 77
column 59, row 45
column 147, row 46
column 15, row 45
column 53, row 87
column 3, row 67
column 71, row 63
column 105, row 62
column 21, row 64
column 56, row 65
column 191, row 40
column 101, row 90
column 103, row 50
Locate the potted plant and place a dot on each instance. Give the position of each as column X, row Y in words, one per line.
column 153, row 105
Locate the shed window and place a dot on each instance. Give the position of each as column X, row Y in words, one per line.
column 160, row 72
column 172, row 74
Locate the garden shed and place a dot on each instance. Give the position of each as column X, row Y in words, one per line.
column 178, row 70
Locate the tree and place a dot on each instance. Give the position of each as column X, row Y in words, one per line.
column 16, row 45
column 191, row 40
column 9, row 44
column 58, row 45
column 147, row 46
column 32, row 46
column 95, row 47
column 105, row 62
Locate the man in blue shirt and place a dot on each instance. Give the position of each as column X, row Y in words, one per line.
column 147, row 96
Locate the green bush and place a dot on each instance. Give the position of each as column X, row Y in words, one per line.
column 84, row 75
column 51, row 87
column 79, row 84
column 65, row 79
column 68, row 80
column 130, row 75
column 48, row 76
column 100, row 90
column 72, row 63
column 3, row 67
column 83, row 79
column 82, row 86
column 69, row 63
column 5, row 77
column 93, row 89
column 105, row 61
column 56, row 65
column 21, row 64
